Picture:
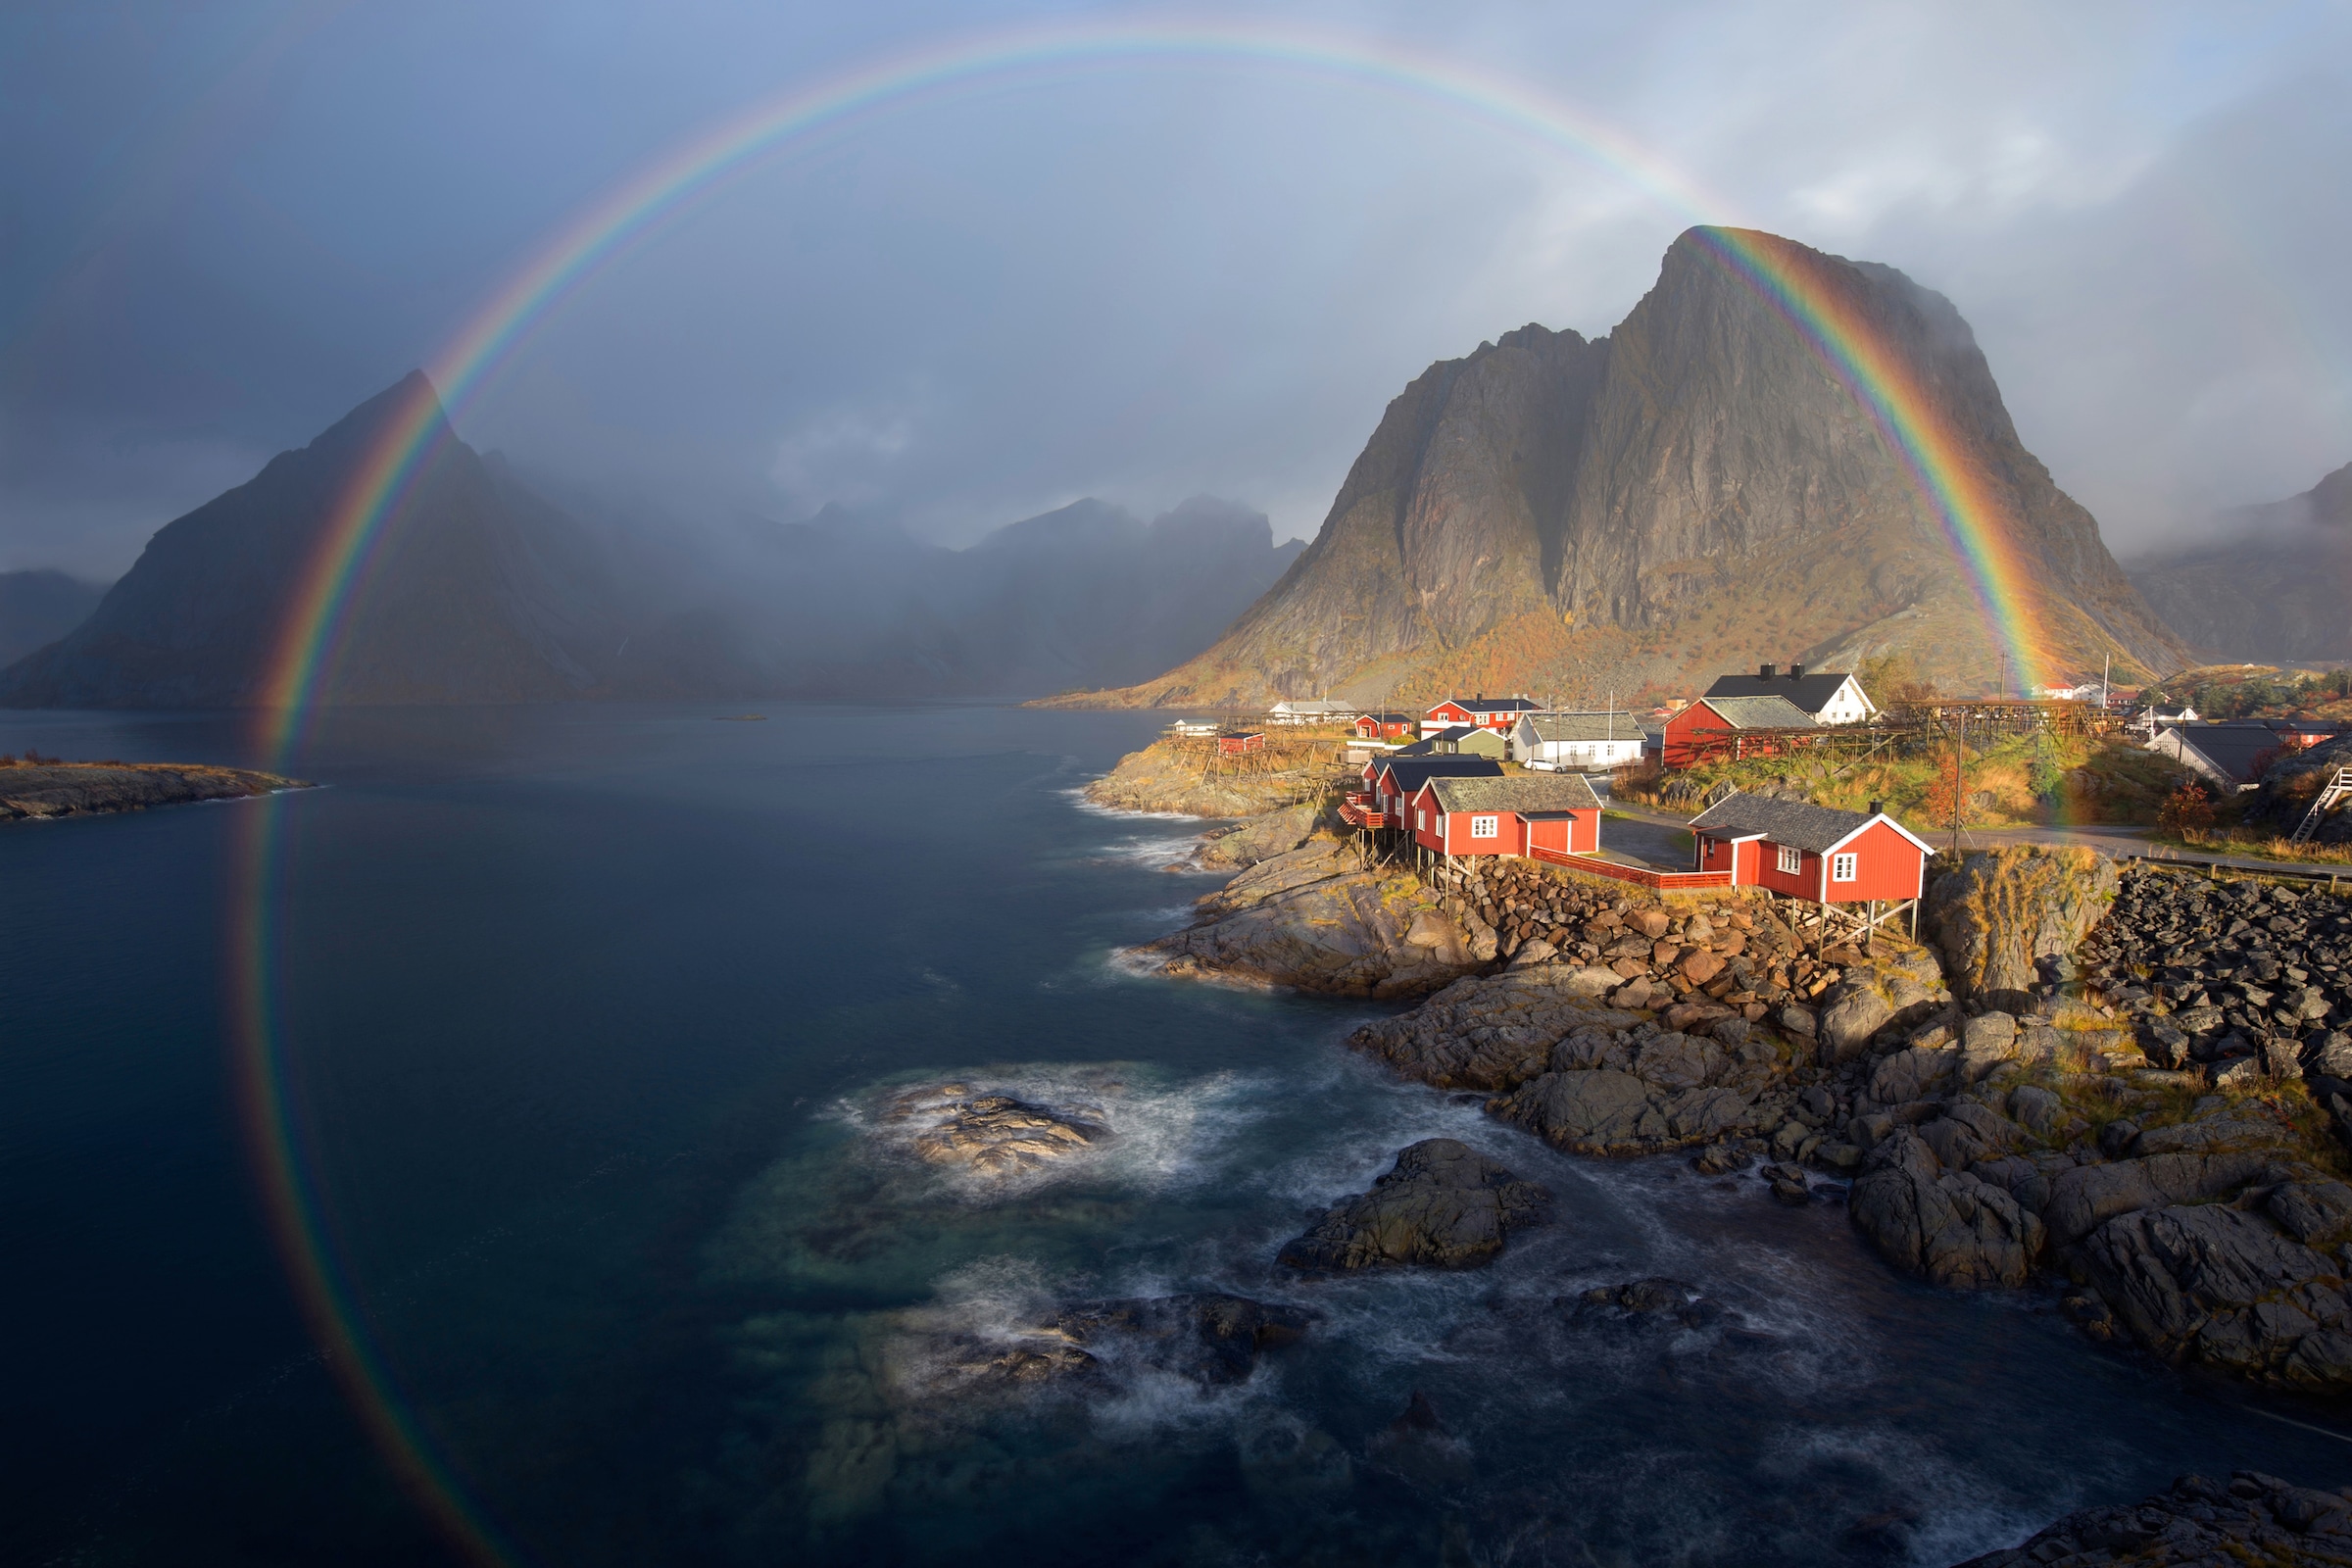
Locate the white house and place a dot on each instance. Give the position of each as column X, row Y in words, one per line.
column 1299, row 710
column 1825, row 697
column 1548, row 742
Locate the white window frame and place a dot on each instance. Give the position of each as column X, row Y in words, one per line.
column 1845, row 867
column 1486, row 827
column 1791, row 860
column 1421, row 821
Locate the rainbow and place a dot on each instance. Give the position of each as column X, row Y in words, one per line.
column 1801, row 286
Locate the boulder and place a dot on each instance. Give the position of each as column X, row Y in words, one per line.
column 1949, row 1226
column 2088, row 1195
column 2224, row 1287
column 1908, row 1075
column 1491, row 1032
column 1895, row 988
column 1443, row 1205
column 1988, row 1040
column 2255, row 1519
column 994, row 1135
column 1210, row 1338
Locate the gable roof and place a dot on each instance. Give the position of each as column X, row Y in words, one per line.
column 2233, row 746
column 1809, row 693
column 1800, row 824
column 1755, row 712
column 1533, row 793
column 1412, row 772
column 1620, row 725
column 1488, row 704
column 1386, row 718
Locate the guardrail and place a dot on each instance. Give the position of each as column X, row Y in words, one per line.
column 1639, row 876
column 2291, row 873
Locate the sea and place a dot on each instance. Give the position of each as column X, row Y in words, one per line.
column 485, row 1158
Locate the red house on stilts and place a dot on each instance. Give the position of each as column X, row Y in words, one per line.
column 1816, row 854
column 1497, row 815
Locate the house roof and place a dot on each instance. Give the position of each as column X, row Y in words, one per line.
column 1620, row 725
column 1522, row 792
column 1754, row 713
column 1489, row 704
column 1412, row 772
column 1420, row 748
column 1387, row 718
column 1816, row 829
column 1811, row 693
column 1306, row 706
column 2233, row 746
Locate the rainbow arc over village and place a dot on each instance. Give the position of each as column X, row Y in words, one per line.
column 1907, row 416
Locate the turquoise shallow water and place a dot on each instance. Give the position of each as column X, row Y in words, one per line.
column 591, row 1014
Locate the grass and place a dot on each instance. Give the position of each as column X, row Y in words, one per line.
column 2255, row 844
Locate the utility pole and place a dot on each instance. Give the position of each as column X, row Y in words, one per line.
column 2106, row 670
column 1959, row 778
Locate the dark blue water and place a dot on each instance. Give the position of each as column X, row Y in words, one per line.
column 589, row 1015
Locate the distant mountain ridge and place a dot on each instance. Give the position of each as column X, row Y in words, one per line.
column 2272, row 584
column 1691, row 494
column 480, row 590
column 37, row 608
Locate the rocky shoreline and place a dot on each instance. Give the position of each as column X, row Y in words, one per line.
column 40, row 790
column 2131, row 1090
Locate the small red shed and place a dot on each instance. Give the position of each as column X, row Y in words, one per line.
column 1234, row 741
column 1498, row 815
column 1712, row 727
column 1811, row 852
column 1383, row 726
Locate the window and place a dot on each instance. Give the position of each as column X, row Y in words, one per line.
column 1842, row 868
column 1482, row 827
column 1421, row 819
column 1793, row 858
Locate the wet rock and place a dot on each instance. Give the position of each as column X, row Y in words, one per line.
column 1318, row 919
column 2224, row 1287
column 2255, row 1519
column 1211, row 1338
column 1418, row 1446
column 1491, row 1032
column 1655, row 1301
column 1728, row 1155
column 1950, row 1226
column 995, row 1135
column 1445, row 1205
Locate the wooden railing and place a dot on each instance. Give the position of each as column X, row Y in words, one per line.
column 1639, row 875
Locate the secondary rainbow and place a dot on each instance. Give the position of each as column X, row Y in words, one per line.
column 1907, row 418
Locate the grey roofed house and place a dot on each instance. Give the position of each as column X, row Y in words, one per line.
column 1619, row 726
column 1412, row 772
column 2229, row 753
column 1821, row 696
column 1799, row 824
column 1527, row 794
column 1759, row 713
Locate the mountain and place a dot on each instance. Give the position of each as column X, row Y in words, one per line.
column 37, row 608
column 477, row 591
column 481, row 590
column 2268, row 584
column 1691, row 494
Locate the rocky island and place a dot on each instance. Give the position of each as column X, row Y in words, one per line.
column 40, row 789
column 2128, row 1088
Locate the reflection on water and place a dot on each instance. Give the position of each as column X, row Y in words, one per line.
column 604, row 1025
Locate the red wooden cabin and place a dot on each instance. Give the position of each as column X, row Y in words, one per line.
column 1713, row 728
column 1811, row 852
column 1233, row 743
column 1497, row 713
column 1392, row 781
column 1506, row 816
column 1384, row 726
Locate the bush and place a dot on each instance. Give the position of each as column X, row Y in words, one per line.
column 2187, row 809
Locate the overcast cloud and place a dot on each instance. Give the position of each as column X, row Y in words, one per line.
column 222, row 226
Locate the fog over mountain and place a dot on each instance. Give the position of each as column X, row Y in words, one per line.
column 2267, row 584
column 482, row 590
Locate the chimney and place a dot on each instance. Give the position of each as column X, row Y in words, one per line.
column 1767, row 672
column 1797, row 673
column 1877, row 807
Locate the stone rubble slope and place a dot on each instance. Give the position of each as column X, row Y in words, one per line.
column 2255, row 1519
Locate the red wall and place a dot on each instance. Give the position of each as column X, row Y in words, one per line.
column 1578, row 834
column 1682, row 745
column 1891, row 866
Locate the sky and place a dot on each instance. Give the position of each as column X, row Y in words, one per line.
column 1137, row 273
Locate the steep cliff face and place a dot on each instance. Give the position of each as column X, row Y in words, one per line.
column 478, row 592
column 1692, row 493
column 2269, row 585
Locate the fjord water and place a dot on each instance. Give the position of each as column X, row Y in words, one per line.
column 588, row 1016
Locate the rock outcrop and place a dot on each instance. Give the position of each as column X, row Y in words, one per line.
column 1167, row 778
column 1443, row 1205
column 2254, row 1519
column 1651, row 508
column 1261, row 838
column 40, row 790
column 2000, row 913
column 995, row 1135
column 1319, row 919
column 1208, row 1338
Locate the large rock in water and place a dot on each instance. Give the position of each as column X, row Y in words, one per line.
column 1445, row 1205
column 1319, row 919
column 1547, row 510
column 1209, row 1338
column 1950, row 1226
column 2255, row 1519
column 995, row 1135
column 2003, row 910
